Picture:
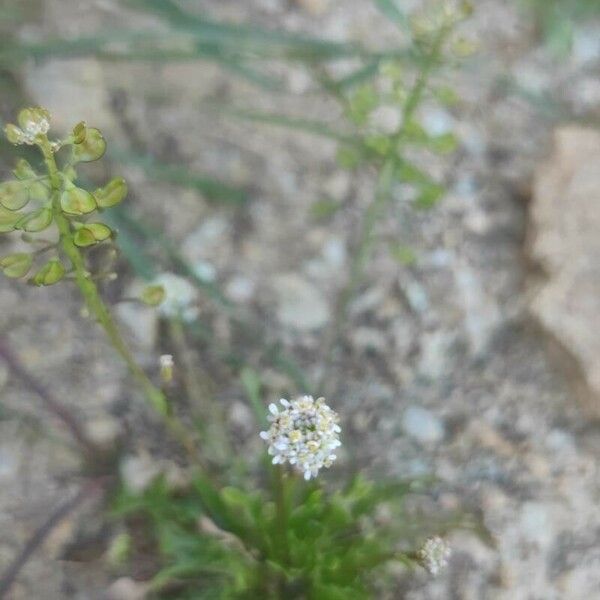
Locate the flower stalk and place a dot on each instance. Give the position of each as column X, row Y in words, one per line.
column 88, row 288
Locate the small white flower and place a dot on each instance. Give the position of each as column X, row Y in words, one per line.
column 434, row 554
column 32, row 122
column 166, row 360
column 180, row 297
column 304, row 433
column 166, row 367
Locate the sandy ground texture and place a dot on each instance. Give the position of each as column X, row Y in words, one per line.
column 442, row 369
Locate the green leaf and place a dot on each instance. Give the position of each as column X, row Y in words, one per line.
column 321, row 210
column 362, row 103
column 348, row 157
column 91, row 148
column 410, row 173
column 14, row 195
column 36, row 221
column 50, row 273
column 405, row 255
column 112, row 193
column 381, row 144
column 429, row 196
column 16, row 265
column 444, row 144
column 77, row 201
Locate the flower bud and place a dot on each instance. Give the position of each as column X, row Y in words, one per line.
column 434, row 554
column 166, row 368
column 13, row 134
column 153, row 295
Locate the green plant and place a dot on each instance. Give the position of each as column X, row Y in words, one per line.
column 233, row 544
column 383, row 133
column 291, row 539
column 238, row 529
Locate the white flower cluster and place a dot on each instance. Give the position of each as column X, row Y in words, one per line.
column 305, row 434
column 33, row 122
column 434, row 554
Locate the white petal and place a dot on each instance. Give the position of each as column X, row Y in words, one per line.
column 307, row 475
column 274, row 410
column 264, row 435
column 284, row 402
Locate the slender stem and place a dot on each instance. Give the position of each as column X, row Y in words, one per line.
column 100, row 311
column 380, row 200
column 282, row 513
column 89, row 290
column 198, row 392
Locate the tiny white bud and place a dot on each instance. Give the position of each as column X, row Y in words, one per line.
column 166, row 367
column 434, row 554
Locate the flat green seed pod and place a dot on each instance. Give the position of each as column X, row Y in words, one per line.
column 77, row 201
column 100, row 231
column 153, row 295
column 36, row 221
column 8, row 220
column 50, row 273
column 16, row 265
column 91, row 148
column 14, row 195
column 84, row 238
column 112, row 193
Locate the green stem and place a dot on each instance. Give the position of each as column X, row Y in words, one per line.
column 381, row 199
column 96, row 306
column 282, row 513
column 100, row 311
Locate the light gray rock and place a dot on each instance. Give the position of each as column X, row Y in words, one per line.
column 422, row 425
column 481, row 313
column 436, row 356
column 207, row 240
column 139, row 471
column 300, row 305
column 564, row 240
column 240, row 289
